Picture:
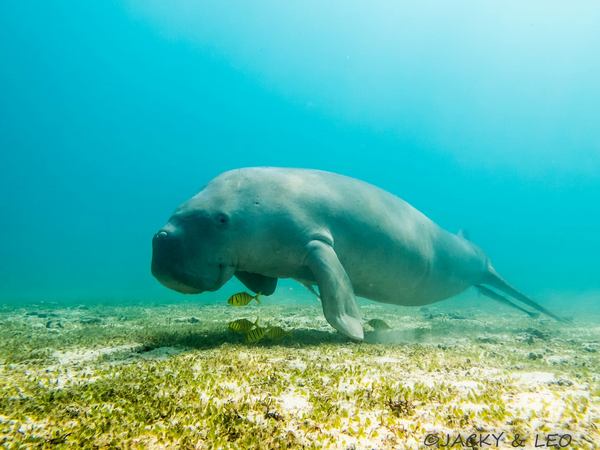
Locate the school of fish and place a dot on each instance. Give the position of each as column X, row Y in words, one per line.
column 254, row 332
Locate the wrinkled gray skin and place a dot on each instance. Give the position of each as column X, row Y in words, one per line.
column 343, row 235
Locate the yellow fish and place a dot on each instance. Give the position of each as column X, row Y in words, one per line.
column 379, row 325
column 256, row 335
column 242, row 326
column 277, row 333
column 242, row 299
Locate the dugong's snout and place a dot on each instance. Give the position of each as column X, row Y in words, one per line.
column 169, row 262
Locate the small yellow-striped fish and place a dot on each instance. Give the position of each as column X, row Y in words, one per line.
column 242, row 299
column 256, row 334
column 379, row 325
column 276, row 333
column 242, row 326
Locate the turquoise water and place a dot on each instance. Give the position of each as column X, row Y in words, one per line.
column 482, row 116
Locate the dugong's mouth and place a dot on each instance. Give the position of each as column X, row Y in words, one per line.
column 181, row 286
column 186, row 283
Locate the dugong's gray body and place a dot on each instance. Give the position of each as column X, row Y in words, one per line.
column 344, row 235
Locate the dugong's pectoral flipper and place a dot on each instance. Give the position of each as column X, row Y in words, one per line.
column 337, row 295
column 257, row 283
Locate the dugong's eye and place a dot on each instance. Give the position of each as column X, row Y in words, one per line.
column 221, row 219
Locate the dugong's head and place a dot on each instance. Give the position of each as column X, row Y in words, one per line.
column 192, row 253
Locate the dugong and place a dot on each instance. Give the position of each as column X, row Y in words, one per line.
column 345, row 236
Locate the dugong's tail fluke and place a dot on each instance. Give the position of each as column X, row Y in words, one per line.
column 495, row 280
column 499, row 298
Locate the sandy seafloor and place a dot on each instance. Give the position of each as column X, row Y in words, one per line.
column 172, row 376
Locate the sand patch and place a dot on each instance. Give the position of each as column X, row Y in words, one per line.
column 533, row 378
column 293, row 403
column 81, row 356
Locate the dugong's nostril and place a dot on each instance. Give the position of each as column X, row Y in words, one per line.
column 161, row 235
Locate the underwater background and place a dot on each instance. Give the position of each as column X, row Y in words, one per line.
column 112, row 113
column 482, row 115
